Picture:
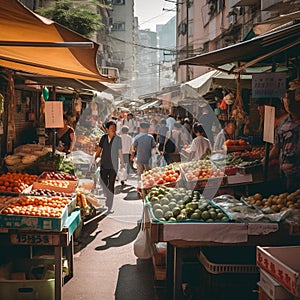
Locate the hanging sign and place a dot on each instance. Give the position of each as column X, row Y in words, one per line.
column 268, row 85
column 54, row 114
column 269, row 124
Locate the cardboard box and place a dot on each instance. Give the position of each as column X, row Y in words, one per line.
column 25, row 288
column 33, row 222
column 272, row 288
column 283, row 264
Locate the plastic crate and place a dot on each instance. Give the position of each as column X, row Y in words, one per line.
column 228, row 273
column 27, row 289
column 226, row 268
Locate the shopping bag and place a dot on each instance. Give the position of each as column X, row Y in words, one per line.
column 122, row 174
column 142, row 246
column 170, row 145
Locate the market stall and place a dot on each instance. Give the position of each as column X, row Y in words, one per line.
column 41, row 212
column 192, row 222
column 193, row 210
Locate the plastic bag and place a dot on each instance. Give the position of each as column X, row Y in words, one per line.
column 142, row 246
column 122, row 174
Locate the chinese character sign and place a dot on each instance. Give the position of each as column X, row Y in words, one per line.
column 54, row 114
column 268, row 85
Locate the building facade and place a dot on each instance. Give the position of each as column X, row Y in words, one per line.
column 206, row 25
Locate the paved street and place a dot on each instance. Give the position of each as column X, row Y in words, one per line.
column 104, row 265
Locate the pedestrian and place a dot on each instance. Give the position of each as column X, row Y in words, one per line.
column 225, row 134
column 178, row 137
column 287, row 142
column 188, row 129
column 208, row 119
column 129, row 121
column 110, row 151
column 200, row 147
column 66, row 137
column 153, row 129
column 170, row 121
column 127, row 142
column 143, row 143
column 162, row 132
column 119, row 124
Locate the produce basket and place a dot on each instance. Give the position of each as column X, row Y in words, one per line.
column 201, row 174
column 145, row 190
column 189, row 219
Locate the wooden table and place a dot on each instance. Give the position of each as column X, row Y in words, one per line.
column 178, row 247
column 60, row 240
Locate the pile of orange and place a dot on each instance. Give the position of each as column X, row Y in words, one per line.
column 16, row 182
column 37, row 206
column 160, row 178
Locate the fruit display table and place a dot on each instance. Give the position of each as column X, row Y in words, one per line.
column 62, row 241
column 181, row 237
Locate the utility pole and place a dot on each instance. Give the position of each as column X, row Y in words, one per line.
column 187, row 39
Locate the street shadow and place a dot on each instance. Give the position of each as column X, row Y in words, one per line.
column 119, row 238
column 88, row 234
column 136, row 282
column 125, row 188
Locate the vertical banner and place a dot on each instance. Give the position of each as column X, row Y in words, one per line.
column 54, row 114
column 269, row 124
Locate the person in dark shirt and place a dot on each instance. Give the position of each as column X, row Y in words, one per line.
column 110, row 151
column 287, row 142
column 66, row 137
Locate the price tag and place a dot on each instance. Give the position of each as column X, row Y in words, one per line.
column 34, row 239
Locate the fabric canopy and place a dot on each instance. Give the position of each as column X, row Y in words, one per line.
column 19, row 24
column 277, row 45
column 201, row 85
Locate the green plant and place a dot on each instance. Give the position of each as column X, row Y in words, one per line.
column 81, row 17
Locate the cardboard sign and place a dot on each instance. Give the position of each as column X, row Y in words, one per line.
column 54, row 114
column 269, row 124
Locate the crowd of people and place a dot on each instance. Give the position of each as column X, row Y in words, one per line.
column 140, row 143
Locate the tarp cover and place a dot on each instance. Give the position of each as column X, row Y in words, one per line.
column 19, row 24
column 199, row 86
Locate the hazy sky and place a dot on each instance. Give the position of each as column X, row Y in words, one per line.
column 150, row 13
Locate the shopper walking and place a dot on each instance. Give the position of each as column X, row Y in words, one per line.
column 130, row 123
column 208, row 119
column 143, row 144
column 179, row 139
column 110, row 151
column 127, row 143
column 170, row 122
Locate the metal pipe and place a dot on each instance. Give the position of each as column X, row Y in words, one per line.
column 47, row 44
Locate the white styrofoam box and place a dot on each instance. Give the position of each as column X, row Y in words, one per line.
column 272, row 288
column 283, row 264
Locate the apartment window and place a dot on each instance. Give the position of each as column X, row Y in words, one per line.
column 118, row 26
column 118, row 2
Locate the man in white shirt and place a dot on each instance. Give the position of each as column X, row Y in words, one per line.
column 127, row 142
column 129, row 121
